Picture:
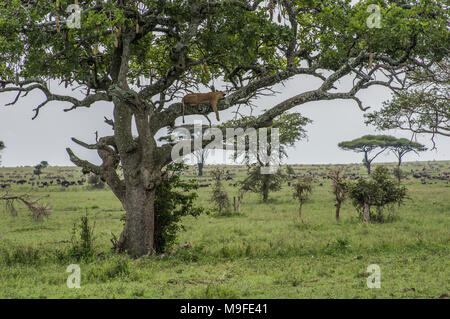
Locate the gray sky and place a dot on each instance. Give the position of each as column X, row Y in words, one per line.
column 29, row 142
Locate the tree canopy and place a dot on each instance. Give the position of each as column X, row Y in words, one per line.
column 403, row 146
column 368, row 144
column 423, row 108
column 144, row 55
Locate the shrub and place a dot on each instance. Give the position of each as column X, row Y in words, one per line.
column 339, row 189
column 82, row 240
column 262, row 183
column 378, row 191
column 302, row 191
column 219, row 196
column 174, row 199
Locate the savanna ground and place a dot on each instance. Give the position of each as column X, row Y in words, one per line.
column 263, row 252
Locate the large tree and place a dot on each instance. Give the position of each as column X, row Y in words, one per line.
column 143, row 56
column 370, row 145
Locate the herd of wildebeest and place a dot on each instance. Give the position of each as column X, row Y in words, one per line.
column 426, row 172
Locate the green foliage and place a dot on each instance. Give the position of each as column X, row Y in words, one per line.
column 378, row 191
column 290, row 171
column 218, row 194
column 117, row 267
column 269, row 254
column 302, row 188
column 82, row 240
column 423, row 108
column 174, row 199
column 257, row 182
column 367, row 143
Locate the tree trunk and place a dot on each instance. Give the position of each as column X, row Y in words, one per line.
column 367, row 162
column 338, row 208
column 300, row 212
column 265, row 191
column 200, row 169
column 137, row 237
column 399, row 172
column 366, row 214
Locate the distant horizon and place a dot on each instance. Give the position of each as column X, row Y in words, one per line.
column 283, row 164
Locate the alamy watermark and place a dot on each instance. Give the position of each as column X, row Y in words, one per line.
column 74, row 279
column 249, row 142
column 374, row 280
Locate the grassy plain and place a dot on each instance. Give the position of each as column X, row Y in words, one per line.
column 263, row 252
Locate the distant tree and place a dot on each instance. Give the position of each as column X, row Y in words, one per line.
column 44, row 164
column 260, row 183
column 291, row 129
column 368, row 144
column 400, row 148
column 2, row 147
column 302, row 192
column 219, row 196
column 378, row 191
column 39, row 167
column 290, row 171
column 201, row 154
column 339, row 189
column 423, row 108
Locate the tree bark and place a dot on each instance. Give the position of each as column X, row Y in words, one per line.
column 338, row 208
column 300, row 212
column 200, row 169
column 366, row 214
column 265, row 191
column 138, row 234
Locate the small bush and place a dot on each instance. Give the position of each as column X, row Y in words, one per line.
column 219, row 196
column 82, row 240
column 302, row 192
column 378, row 191
column 174, row 199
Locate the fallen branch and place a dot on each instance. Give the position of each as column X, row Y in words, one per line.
column 38, row 211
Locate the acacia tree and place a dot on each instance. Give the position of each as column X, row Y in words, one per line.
column 143, row 56
column 400, row 148
column 39, row 167
column 367, row 144
column 291, row 129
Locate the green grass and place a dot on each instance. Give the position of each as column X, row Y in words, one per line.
column 264, row 252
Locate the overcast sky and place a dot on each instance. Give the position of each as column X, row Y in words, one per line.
column 29, row 142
